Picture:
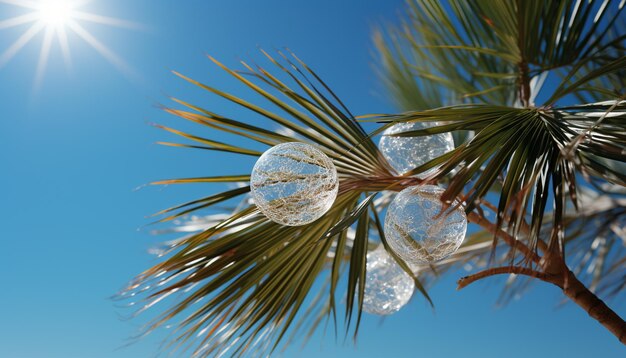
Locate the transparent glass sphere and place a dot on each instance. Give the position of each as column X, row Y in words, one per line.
column 387, row 286
column 294, row 183
column 407, row 153
column 417, row 229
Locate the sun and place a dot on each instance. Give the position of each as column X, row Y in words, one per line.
column 55, row 19
column 55, row 12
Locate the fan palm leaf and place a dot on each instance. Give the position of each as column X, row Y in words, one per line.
column 245, row 274
column 472, row 68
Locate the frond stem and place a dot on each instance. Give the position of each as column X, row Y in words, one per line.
column 509, row 239
column 516, row 270
column 524, row 84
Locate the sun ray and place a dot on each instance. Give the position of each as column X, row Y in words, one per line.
column 21, row 3
column 60, row 19
column 18, row 20
column 20, row 43
column 105, row 20
column 65, row 47
column 43, row 57
column 109, row 55
column 79, row 3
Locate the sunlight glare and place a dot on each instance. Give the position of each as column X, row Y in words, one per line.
column 57, row 19
column 55, row 12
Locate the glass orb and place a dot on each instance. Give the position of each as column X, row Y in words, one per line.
column 387, row 287
column 407, row 153
column 294, row 183
column 417, row 229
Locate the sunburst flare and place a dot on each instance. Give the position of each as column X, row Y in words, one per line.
column 54, row 19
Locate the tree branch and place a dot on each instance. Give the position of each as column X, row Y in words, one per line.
column 524, row 77
column 398, row 183
column 524, row 83
column 525, row 228
column 555, row 269
column 558, row 274
column 510, row 240
column 594, row 306
column 517, row 270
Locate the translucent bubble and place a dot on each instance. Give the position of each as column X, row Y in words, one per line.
column 417, row 229
column 387, row 286
column 407, row 153
column 294, row 183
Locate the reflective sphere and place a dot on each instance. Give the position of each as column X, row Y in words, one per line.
column 294, row 183
column 387, row 286
column 417, row 229
column 407, row 153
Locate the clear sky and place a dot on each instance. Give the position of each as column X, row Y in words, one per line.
column 75, row 146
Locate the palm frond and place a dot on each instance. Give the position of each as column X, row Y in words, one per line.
column 481, row 51
column 449, row 53
column 526, row 153
column 493, row 56
column 242, row 285
column 246, row 277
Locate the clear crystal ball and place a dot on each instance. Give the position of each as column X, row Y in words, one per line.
column 407, row 153
column 418, row 230
column 294, row 183
column 387, row 286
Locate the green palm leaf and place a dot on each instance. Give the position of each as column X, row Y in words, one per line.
column 474, row 68
column 247, row 277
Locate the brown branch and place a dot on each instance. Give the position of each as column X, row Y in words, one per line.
column 524, row 84
column 558, row 274
column 594, row 306
column 378, row 183
column 525, row 228
column 509, row 239
column 398, row 183
column 553, row 264
column 518, row 270
column 524, row 76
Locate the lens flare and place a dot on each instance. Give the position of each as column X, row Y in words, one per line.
column 57, row 19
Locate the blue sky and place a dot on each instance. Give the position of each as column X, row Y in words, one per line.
column 73, row 152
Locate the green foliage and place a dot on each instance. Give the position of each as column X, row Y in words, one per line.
column 256, row 275
column 482, row 51
column 475, row 68
column 486, row 61
column 525, row 153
